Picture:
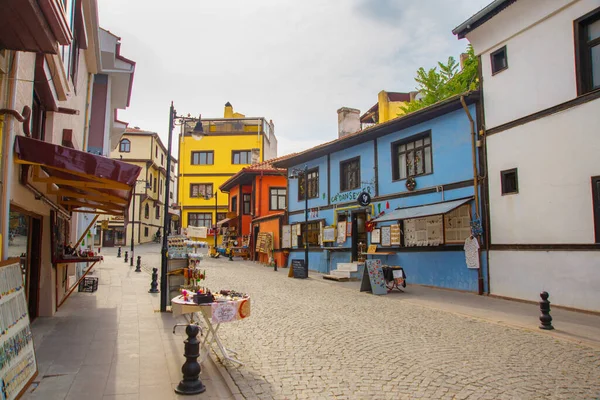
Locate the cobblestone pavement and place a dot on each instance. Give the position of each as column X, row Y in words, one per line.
column 311, row 339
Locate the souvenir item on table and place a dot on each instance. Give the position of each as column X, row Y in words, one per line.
column 229, row 295
column 203, row 298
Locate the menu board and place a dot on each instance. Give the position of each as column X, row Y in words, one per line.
column 386, row 236
column 286, row 236
column 18, row 366
column 329, row 234
column 395, row 235
column 341, row 232
column 299, row 269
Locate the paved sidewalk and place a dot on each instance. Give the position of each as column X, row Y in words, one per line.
column 111, row 344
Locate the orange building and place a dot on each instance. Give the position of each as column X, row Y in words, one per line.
column 257, row 209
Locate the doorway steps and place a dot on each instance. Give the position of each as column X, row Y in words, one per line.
column 345, row 272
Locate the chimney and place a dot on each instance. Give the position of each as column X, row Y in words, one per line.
column 348, row 121
column 228, row 110
column 463, row 58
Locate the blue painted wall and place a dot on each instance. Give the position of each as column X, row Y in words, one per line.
column 452, row 163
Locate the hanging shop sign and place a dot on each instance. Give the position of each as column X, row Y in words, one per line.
column 364, row 199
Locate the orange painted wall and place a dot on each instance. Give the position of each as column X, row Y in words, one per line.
column 261, row 207
column 244, row 229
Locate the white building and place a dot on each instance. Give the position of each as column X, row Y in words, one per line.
column 540, row 74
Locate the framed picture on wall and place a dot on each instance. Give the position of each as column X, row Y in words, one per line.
column 376, row 236
column 386, row 236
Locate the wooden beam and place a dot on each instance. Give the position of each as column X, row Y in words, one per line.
column 91, row 194
column 86, row 230
column 101, row 206
column 76, row 284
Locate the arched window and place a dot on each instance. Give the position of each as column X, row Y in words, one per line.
column 147, row 211
column 125, row 146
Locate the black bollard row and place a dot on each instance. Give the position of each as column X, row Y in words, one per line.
column 138, row 264
column 119, row 252
column 545, row 317
column 126, row 256
column 154, row 283
column 191, row 383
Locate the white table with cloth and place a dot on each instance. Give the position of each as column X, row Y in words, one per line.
column 214, row 314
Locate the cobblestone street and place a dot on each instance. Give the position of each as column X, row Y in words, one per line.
column 311, row 339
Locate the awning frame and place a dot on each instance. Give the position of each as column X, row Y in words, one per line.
column 459, row 203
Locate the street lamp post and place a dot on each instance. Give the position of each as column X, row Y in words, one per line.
column 198, row 131
column 133, row 218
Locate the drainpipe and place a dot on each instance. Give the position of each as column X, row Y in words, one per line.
column 475, row 185
column 260, row 187
column 7, row 168
column 86, row 121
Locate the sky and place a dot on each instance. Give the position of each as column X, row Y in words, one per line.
column 293, row 62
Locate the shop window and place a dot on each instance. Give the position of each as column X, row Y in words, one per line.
column 201, row 190
column 38, row 119
column 146, row 232
column 147, row 211
column 203, row 157
column 350, row 174
column 157, row 212
column 412, row 157
column 314, row 230
column 596, row 205
column 587, row 45
column 457, row 225
column 246, row 203
column 200, row 219
column 241, row 157
column 509, row 181
column 125, row 146
column 277, row 198
column 499, row 60
column 312, row 176
column 234, row 204
column 119, row 236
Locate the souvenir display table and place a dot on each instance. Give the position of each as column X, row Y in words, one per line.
column 224, row 308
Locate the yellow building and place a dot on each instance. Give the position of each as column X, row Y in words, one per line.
column 227, row 145
column 389, row 106
column 146, row 150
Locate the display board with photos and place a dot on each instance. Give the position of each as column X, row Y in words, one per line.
column 329, row 234
column 386, row 237
column 286, row 236
column 18, row 366
column 395, row 236
column 425, row 231
column 341, row 232
column 376, row 236
column 457, row 224
column 295, row 235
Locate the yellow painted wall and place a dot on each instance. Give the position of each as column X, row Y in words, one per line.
column 388, row 109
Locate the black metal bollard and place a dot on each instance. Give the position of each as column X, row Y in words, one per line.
column 545, row 318
column 154, row 283
column 191, row 383
column 138, row 265
column 119, row 252
column 126, row 256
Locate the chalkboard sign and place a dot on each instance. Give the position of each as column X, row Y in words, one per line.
column 299, row 269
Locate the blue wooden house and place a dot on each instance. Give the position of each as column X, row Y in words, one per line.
column 421, row 172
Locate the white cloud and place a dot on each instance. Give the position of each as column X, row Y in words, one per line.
column 295, row 62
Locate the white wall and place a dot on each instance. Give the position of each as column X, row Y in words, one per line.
column 556, row 157
column 540, row 51
column 571, row 277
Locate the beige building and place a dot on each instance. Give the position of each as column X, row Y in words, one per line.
column 51, row 186
column 146, row 212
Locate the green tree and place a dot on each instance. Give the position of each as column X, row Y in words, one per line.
column 434, row 85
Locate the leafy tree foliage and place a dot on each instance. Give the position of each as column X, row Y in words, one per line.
column 435, row 85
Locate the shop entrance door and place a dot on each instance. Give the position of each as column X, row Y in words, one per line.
column 108, row 238
column 359, row 234
column 35, row 264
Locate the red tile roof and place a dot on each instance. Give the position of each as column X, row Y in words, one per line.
column 264, row 166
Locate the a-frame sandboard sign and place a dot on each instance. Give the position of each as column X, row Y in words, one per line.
column 373, row 280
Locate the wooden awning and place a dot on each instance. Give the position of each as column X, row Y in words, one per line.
column 33, row 25
column 80, row 180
